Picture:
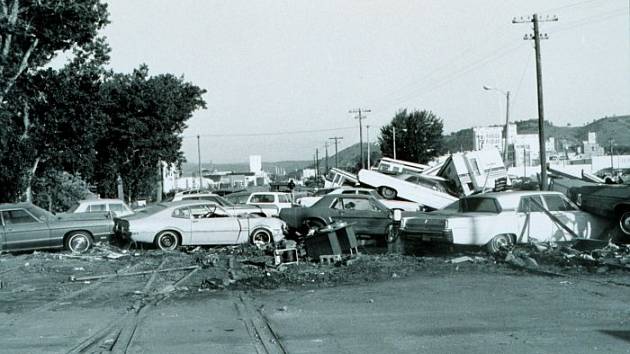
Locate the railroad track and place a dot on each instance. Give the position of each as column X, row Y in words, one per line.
column 119, row 334
column 260, row 331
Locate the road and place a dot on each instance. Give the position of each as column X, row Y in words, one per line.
column 457, row 311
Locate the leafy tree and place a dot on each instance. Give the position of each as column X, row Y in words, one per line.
column 418, row 136
column 33, row 31
column 58, row 191
column 146, row 116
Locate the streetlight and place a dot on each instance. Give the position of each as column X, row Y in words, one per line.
column 394, row 138
column 507, row 118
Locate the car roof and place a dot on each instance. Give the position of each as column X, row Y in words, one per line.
column 197, row 195
column 281, row 193
column 4, row 206
column 353, row 196
column 106, row 200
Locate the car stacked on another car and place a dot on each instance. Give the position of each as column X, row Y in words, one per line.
column 499, row 219
column 169, row 225
column 391, row 204
column 25, row 226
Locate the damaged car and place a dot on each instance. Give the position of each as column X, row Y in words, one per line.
column 499, row 219
column 170, row 225
column 368, row 216
column 25, row 226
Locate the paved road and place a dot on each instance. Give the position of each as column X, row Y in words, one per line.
column 430, row 313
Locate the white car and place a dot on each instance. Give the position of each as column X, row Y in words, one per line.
column 116, row 206
column 499, row 219
column 233, row 209
column 169, row 225
column 390, row 204
column 277, row 199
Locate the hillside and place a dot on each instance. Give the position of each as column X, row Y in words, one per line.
column 617, row 128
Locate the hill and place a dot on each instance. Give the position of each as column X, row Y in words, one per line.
column 616, row 128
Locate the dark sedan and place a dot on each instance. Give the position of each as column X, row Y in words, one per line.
column 368, row 216
column 25, row 226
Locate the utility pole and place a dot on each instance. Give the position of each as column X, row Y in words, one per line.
column 326, row 162
column 199, row 161
column 367, row 130
column 316, row 166
column 360, row 117
column 336, row 139
column 394, row 139
column 537, row 36
column 611, row 156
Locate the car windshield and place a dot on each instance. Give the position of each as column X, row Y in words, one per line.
column 478, row 205
column 39, row 212
column 73, row 208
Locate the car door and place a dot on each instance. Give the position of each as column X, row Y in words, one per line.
column 24, row 231
column 533, row 222
column 212, row 225
column 365, row 215
column 568, row 214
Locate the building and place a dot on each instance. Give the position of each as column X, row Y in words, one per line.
column 491, row 137
column 255, row 164
column 591, row 148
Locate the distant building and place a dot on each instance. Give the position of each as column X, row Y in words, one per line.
column 255, row 164
column 590, row 147
column 491, row 137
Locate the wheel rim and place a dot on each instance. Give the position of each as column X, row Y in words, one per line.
column 79, row 243
column 388, row 193
column 624, row 222
column 500, row 242
column 261, row 239
column 167, row 241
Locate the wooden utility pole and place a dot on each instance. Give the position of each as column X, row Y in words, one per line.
column 317, row 165
column 199, row 162
column 537, row 36
column 367, row 130
column 612, row 141
column 336, row 139
column 326, row 162
column 360, row 117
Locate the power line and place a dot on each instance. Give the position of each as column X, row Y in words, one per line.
column 360, row 118
column 268, row 133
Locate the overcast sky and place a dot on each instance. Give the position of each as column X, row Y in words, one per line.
column 281, row 66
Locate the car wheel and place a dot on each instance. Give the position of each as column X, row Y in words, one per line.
column 388, row 193
column 261, row 238
column 167, row 240
column 79, row 242
column 624, row 222
column 498, row 243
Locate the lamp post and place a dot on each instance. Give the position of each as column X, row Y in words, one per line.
column 507, row 119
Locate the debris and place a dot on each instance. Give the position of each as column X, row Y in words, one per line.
column 330, row 258
column 286, row 256
column 461, row 260
column 95, row 277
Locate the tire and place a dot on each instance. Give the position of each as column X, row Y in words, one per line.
column 388, row 193
column 624, row 222
column 261, row 238
column 167, row 240
column 499, row 242
column 78, row 241
column 315, row 224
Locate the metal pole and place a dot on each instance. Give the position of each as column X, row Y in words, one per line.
column 199, row 161
column 506, row 156
column 367, row 130
column 541, row 111
column 361, row 139
column 394, row 139
column 611, row 156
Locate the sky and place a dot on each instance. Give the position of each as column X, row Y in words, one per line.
column 282, row 75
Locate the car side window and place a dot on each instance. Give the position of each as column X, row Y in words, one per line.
column 97, row 207
column 364, row 192
column 337, row 204
column 526, row 204
column 12, row 217
column 116, row 207
column 198, row 211
column 262, row 198
column 357, row 204
column 283, row 199
column 347, row 192
column 557, row 203
column 181, row 213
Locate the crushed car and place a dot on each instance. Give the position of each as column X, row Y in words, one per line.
column 499, row 219
column 26, row 226
column 170, row 225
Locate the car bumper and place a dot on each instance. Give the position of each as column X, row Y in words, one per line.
column 442, row 236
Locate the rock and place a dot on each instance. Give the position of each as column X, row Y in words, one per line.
column 371, row 301
column 602, row 270
column 283, row 309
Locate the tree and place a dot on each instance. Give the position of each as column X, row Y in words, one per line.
column 418, row 136
column 33, row 31
column 146, row 117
